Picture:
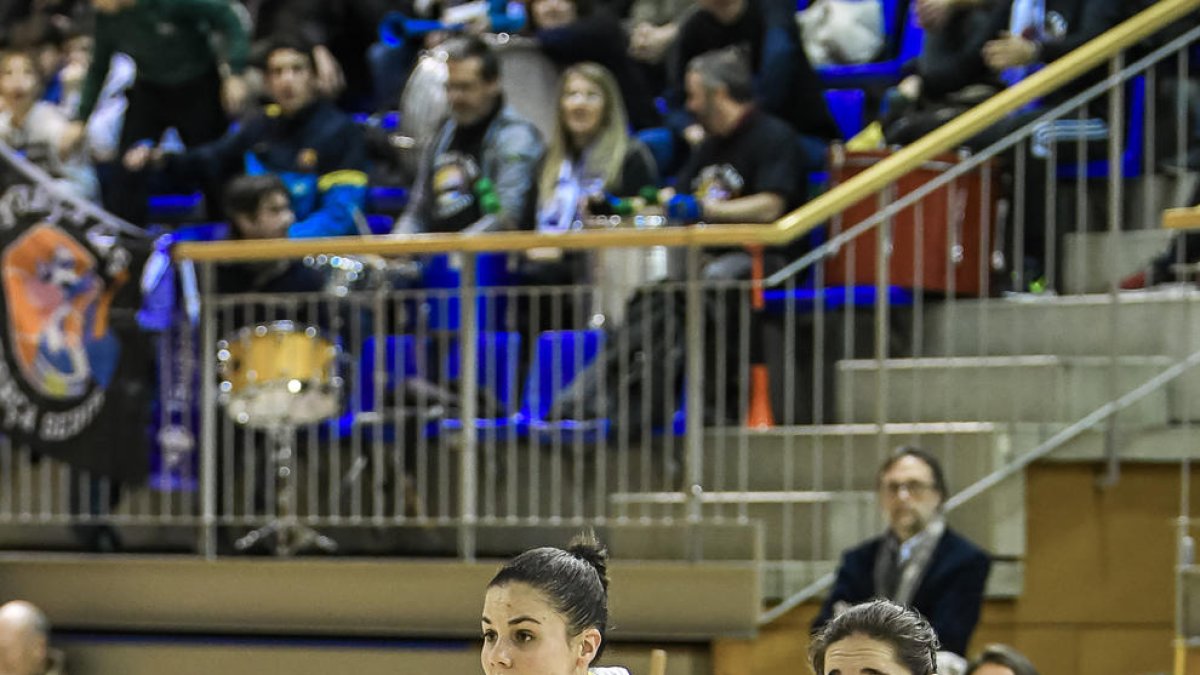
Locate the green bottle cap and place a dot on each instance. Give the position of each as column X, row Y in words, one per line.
column 650, row 194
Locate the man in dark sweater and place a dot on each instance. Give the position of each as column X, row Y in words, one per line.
column 785, row 85
column 181, row 82
column 745, row 170
column 316, row 149
column 919, row 562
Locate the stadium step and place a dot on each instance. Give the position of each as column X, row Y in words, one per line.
column 1093, row 260
column 1036, row 388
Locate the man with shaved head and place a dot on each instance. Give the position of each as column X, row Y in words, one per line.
column 24, row 640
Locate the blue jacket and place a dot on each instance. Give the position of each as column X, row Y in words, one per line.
column 950, row 594
column 319, row 153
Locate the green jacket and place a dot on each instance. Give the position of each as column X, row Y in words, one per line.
column 169, row 40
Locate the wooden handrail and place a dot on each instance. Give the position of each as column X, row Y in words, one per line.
column 1182, row 219
column 269, row 249
column 787, row 228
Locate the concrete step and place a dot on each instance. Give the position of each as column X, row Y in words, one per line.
column 815, row 525
column 845, row 456
column 1168, row 445
column 1164, row 320
column 1092, row 260
column 1002, row 388
column 781, row 579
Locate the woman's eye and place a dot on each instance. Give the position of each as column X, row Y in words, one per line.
column 524, row 636
column 489, row 636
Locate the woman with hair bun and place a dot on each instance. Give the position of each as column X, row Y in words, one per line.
column 546, row 611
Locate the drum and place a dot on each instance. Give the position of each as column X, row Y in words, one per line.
column 278, row 374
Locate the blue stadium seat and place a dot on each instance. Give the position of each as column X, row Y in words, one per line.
column 380, row 223
column 909, row 37
column 560, row 357
column 497, row 359
column 1135, row 142
column 386, row 199
column 805, row 299
column 848, row 107
column 401, row 359
column 440, row 273
column 176, row 208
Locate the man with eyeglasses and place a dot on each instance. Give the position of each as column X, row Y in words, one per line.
column 919, row 562
column 479, row 172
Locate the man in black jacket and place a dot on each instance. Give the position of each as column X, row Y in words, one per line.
column 785, row 85
column 918, row 562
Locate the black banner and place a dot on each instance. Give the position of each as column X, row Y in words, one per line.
column 75, row 370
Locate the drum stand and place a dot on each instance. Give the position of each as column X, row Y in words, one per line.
column 291, row 536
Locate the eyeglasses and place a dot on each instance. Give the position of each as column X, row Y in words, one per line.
column 914, row 488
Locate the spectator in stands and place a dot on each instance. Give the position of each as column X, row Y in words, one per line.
column 546, row 611
column 950, row 75
column 181, row 81
column 339, row 32
column 259, row 207
column 1001, row 660
column 745, row 170
column 875, row 637
column 784, row 84
column 591, row 153
column 316, row 149
column 103, row 133
column 1067, row 25
column 919, row 562
column 592, row 164
column 479, row 172
column 403, row 33
column 25, row 641
column 32, row 127
column 655, row 27
column 653, row 30
column 573, row 31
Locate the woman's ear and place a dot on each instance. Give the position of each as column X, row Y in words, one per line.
column 588, row 646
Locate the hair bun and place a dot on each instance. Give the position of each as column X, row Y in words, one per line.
column 588, row 548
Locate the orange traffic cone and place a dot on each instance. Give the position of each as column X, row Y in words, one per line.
column 759, row 415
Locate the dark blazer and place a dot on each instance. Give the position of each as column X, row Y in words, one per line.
column 949, row 596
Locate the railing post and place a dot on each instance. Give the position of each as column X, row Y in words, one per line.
column 468, row 336
column 883, row 239
column 694, row 471
column 208, row 415
column 1116, row 136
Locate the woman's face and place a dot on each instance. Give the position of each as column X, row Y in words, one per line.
column 18, row 79
column 582, row 107
column 524, row 635
column 551, row 14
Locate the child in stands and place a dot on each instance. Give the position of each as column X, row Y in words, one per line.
column 32, row 127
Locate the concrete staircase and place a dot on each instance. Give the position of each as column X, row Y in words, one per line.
column 985, row 382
